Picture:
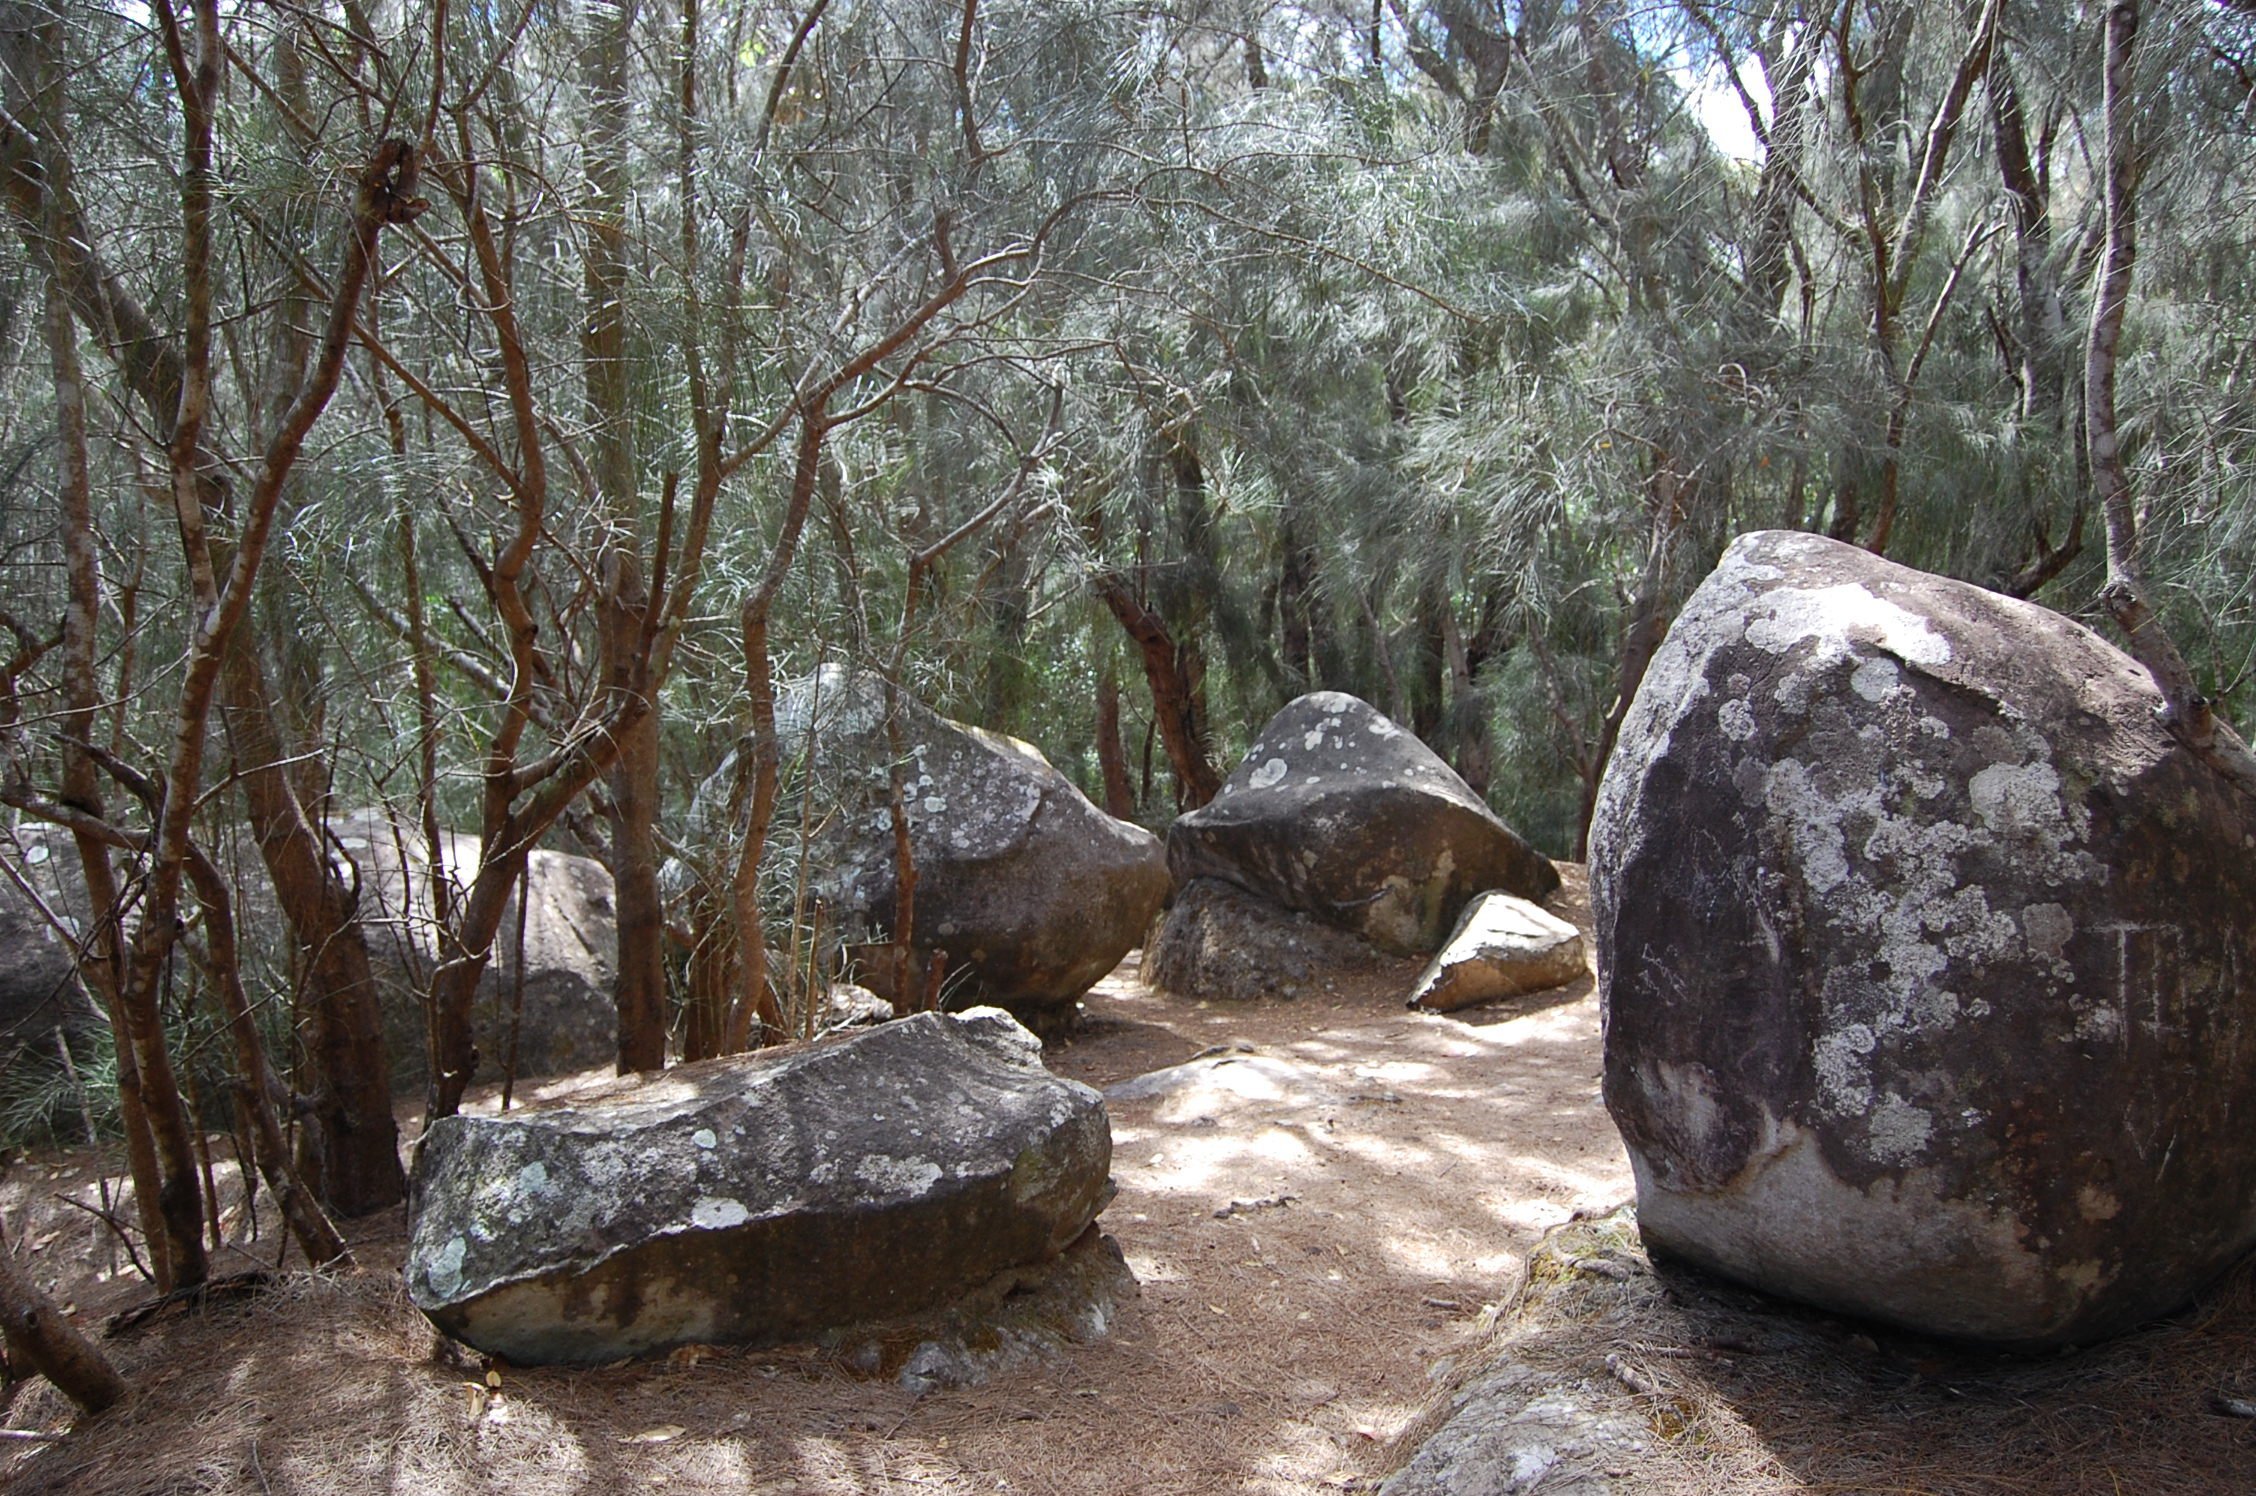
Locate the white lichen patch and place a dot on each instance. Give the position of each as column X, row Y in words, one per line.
column 705, row 1137
column 1836, row 615
column 907, row 1176
column 717, row 1213
column 1876, row 679
column 1736, row 721
column 1269, row 773
column 1897, row 1132
column 1842, row 1058
column 533, row 1178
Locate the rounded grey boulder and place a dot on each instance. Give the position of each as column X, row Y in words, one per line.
column 1031, row 891
column 553, row 1012
column 758, row 1198
column 1925, row 956
column 1339, row 813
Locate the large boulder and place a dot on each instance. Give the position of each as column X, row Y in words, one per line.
column 39, row 989
column 1926, row 957
column 758, row 1198
column 1337, row 812
column 1032, row 892
column 567, row 1018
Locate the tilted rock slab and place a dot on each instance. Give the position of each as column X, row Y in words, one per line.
column 1926, row 957
column 1033, row 893
column 1502, row 947
column 759, row 1198
column 1339, row 813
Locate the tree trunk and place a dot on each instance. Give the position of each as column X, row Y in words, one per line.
column 633, row 778
column 81, row 782
column 256, row 1086
column 1112, row 755
column 2185, row 711
column 1175, row 673
column 39, row 1334
column 349, row 1149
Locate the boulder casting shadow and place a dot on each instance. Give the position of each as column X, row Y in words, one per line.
column 1929, row 981
column 759, row 1198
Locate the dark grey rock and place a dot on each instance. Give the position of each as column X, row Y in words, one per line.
column 759, row 1198
column 1022, row 1317
column 568, row 1019
column 1032, row 892
column 1339, row 813
column 1218, row 941
column 1926, row 957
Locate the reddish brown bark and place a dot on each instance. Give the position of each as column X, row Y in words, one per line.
column 1175, row 673
column 1112, row 755
column 42, row 1336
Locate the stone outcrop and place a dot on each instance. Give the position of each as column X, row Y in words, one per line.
column 568, row 1019
column 1339, row 813
column 1032, row 892
column 1218, row 941
column 1502, row 947
column 39, row 991
column 759, row 1198
column 1926, row 957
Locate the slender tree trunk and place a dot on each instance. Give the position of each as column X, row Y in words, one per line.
column 1174, row 673
column 2188, row 714
column 40, row 1335
column 81, row 781
column 633, row 778
column 255, row 1082
column 1112, row 755
column 1641, row 640
column 349, row 1148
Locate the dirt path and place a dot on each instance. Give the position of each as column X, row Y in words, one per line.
column 1318, row 1205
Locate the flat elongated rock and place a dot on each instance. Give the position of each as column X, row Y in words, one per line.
column 1502, row 947
column 1339, row 813
column 1929, row 976
column 759, row 1198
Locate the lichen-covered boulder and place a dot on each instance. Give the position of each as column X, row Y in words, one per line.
column 1928, row 970
column 554, row 1012
column 1502, row 947
column 759, row 1198
column 1339, row 813
column 1032, row 893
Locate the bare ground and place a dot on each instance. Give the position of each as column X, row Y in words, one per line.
column 1327, row 1209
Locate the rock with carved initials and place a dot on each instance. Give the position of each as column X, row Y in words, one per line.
column 1929, row 977
column 759, row 1198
